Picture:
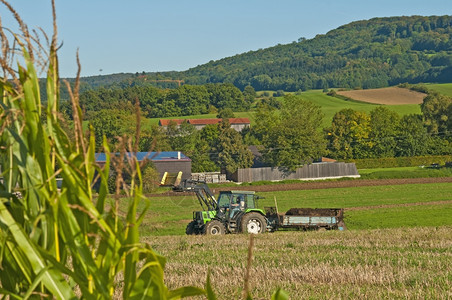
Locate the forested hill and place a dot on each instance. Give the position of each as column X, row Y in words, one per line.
column 366, row 54
column 363, row 54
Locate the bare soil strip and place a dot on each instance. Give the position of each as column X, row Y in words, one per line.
column 387, row 96
column 303, row 185
column 316, row 185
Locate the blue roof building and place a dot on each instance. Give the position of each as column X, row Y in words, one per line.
column 166, row 161
column 153, row 156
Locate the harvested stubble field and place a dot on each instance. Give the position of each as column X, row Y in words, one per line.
column 403, row 263
column 386, row 96
column 399, row 245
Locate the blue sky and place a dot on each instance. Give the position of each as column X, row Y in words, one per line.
column 115, row 36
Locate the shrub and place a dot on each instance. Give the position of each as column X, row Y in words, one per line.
column 151, row 179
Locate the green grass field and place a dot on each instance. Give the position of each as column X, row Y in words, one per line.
column 356, row 197
column 404, row 172
column 169, row 215
column 443, row 88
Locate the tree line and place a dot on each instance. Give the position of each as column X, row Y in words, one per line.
column 289, row 136
column 158, row 103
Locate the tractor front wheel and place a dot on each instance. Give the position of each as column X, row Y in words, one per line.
column 214, row 227
column 191, row 229
column 253, row 223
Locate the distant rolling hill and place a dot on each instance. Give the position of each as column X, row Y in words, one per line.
column 367, row 54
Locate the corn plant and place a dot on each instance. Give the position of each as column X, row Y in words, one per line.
column 62, row 242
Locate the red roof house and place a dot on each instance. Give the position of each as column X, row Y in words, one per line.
column 236, row 123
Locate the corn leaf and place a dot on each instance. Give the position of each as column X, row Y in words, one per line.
column 279, row 294
column 51, row 279
column 187, row 291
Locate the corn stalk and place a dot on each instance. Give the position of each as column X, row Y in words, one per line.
column 59, row 242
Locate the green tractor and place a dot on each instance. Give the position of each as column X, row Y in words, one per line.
column 234, row 212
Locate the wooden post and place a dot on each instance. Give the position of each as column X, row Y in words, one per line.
column 276, row 205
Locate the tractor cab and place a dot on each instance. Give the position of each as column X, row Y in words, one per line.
column 232, row 199
column 233, row 204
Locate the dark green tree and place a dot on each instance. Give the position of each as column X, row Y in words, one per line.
column 226, row 95
column 190, row 99
column 231, row 152
column 210, row 134
column 168, row 108
column 201, row 157
column 154, row 139
column 183, row 138
column 349, row 135
column 250, row 94
column 204, row 156
column 412, row 137
column 194, row 144
column 436, row 109
column 383, row 131
column 225, row 113
column 266, row 118
column 292, row 137
column 112, row 123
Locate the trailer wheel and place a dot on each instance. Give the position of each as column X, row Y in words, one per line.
column 214, row 227
column 341, row 225
column 191, row 229
column 253, row 223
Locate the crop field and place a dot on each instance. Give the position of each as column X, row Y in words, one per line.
column 331, row 105
column 385, row 96
column 398, row 263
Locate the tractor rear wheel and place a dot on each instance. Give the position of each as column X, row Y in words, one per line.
column 253, row 223
column 191, row 228
column 214, row 227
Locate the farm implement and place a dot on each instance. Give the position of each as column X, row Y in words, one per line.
column 237, row 211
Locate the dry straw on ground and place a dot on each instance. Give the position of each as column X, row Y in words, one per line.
column 378, row 264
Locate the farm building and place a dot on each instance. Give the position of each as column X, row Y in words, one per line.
column 321, row 168
column 236, row 123
column 314, row 171
column 168, row 161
